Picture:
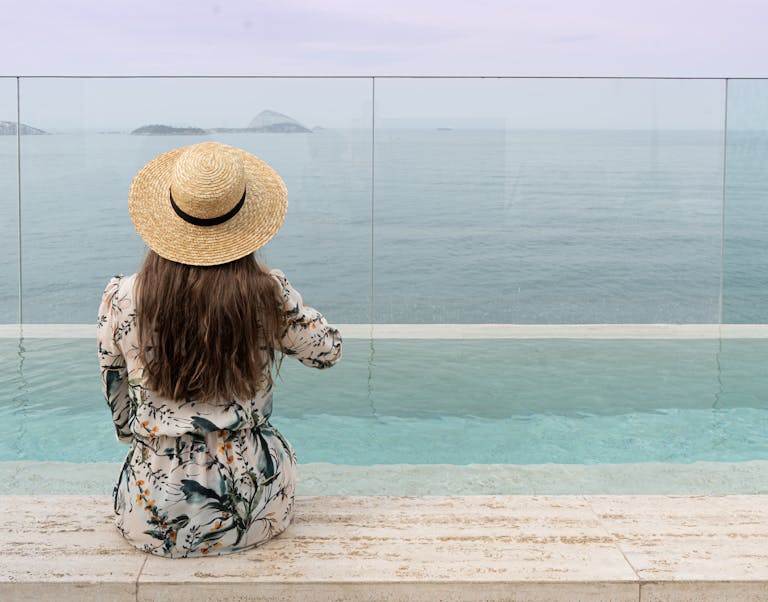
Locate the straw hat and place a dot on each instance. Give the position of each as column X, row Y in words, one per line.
column 207, row 204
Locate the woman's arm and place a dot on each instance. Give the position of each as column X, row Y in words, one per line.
column 308, row 337
column 114, row 374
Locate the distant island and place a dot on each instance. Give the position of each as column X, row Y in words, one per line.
column 272, row 121
column 166, row 130
column 265, row 122
column 8, row 128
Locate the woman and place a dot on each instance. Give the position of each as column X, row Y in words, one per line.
column 186, row 350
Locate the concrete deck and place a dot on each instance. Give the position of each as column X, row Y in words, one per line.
column 522, row 548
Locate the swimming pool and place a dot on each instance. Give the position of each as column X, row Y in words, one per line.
column 447, row 402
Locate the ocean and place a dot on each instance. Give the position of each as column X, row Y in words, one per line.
column 430, row 225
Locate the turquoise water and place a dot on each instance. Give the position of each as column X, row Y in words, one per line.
column 447, row 401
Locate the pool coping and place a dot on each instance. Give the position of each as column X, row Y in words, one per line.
column 522, row 547
column 749, row 477
column 653, row 331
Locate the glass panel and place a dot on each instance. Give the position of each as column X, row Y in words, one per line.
column 571, row 402
column 500, row 378
column 76, row 227
column 9, row 224
column 743, row 378
column 548, row 201
column 310, row 406
column 745, row 261
column 45, row 415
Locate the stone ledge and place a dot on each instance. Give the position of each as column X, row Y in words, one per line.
column 410, row 548
column 320, row 479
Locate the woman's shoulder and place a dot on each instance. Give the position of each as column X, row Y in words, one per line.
column 119, row 291
column 291, row 297
column 278, row 274
column 282, row 280
column 121, row 283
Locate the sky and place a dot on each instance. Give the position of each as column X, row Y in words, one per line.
column 692, row 38
column 357, row 39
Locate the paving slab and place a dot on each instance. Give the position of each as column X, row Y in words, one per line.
column 680, row 538
column 57, row 547
column 467, row 544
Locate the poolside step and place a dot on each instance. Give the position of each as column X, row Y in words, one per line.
column 410, row 548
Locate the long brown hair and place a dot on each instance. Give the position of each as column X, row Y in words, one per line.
column 208, row 333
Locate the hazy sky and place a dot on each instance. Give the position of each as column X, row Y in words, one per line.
column 401, row 37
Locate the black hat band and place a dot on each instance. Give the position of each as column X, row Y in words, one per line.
column 207, row 221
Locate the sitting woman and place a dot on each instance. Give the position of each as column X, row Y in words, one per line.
column 187, row 348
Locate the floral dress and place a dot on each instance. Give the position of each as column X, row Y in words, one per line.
column 200, row 478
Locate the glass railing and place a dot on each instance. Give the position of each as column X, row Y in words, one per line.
column 548, row 201
column 75, row 226
column 452, row 200
column 439, row 205
column 9, row 205
column 745, row 209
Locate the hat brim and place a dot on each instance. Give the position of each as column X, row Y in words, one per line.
column 255, row 224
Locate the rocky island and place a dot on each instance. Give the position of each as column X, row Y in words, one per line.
column 272, row 121
column 167, row 130
column 8, row 128
column 265, row 122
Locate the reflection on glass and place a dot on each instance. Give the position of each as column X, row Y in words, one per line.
column 745, row 260
column 547, row 201
column 9, row 259
column 76, row 227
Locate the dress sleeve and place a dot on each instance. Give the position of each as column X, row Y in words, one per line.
column 308, row 337
column 114, row 374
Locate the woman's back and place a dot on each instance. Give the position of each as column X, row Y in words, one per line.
column 186, row 357
column 202, row 477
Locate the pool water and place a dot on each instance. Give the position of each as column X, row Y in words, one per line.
column 454, row 402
